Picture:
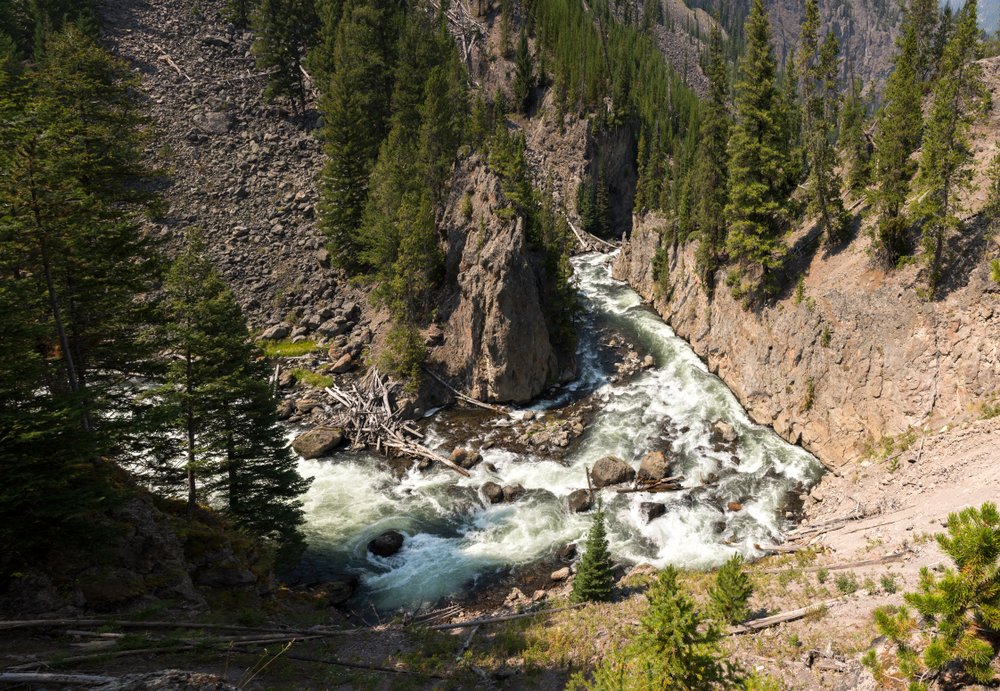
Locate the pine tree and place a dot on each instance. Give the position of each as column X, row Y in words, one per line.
column 711, row 167
column 897, row 135
column 818, row 69
column 959, row 96
column 594, row 580
column 283, row 30
column 730, row 595
column 232, row 450
column 524, row 77
column 757, row 160
column 854, row 146
column 240, row 11
column 320, row 58
column 677, row 648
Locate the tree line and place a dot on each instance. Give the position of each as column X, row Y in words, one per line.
column 116, row 366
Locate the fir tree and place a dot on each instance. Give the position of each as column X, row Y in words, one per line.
column 897, row 135
column 711, row 167
column 594, row 580
column 757, row 159
column 854, row 147
column 283, row 29
column 818, row 70
column 730, row 595
column 232, row 448
column 320, row 58
column 524, row 77
column 958, row 98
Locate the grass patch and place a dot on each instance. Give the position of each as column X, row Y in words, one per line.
column 313, row 379
column 276, row 349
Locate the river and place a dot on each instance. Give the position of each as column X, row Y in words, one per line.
column 454, row 538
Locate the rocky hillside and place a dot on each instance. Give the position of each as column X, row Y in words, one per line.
column 857, row 357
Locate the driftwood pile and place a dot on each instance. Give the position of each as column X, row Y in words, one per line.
column 371, row 421
column 589, row 242
column 667, row 484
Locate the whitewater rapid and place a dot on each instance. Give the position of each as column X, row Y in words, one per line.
column 454, row 537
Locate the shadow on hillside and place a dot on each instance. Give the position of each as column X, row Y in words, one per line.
column 964, row 253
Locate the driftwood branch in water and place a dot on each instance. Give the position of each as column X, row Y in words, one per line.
column 463, row 397
column 506, row 617
column 781, row 618
column 667, row 484
column 895, row 556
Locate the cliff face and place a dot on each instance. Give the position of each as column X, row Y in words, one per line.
column 495, row 337
column 858, row 358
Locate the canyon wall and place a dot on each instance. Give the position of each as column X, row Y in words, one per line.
column 857, row 357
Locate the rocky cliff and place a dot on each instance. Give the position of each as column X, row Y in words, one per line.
column 860, row 357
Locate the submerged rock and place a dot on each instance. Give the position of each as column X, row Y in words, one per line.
column 318, row 442
column 493, row 493
column 579, row 501
column 611, row 470
column 513, row 492
column 723, row 432
column 567, row 552
column 651, row 510
column 386, row 544
column 654, row 466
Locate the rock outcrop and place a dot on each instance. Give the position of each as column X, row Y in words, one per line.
column 318, row 442
column 860, row 357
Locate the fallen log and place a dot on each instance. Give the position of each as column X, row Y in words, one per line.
column 48, row 678
column 115, row 623
column 662, row 486
column 895, row 556
column 463, row 397
column 781, row 618
column 506, row 617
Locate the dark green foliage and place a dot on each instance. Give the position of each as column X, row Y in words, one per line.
column 594, row 580
column 958, row 97
column 757, row 162
column 855, row 151
column 677, row 647
column 220, row 409
column 524, row 76
column 72, row 261
column 320, row 58
column 960, row 610
column 711, row 167
column 29, row 23
column 283, row 28
column 818, row 70
column 897, row 135
column 730, row 595
column 592, row 202
column 240, row 11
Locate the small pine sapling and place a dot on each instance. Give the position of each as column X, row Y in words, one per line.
column 730, row 596
column 594, row 578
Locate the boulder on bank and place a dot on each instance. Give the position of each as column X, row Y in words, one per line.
column 560, row 574
column 654, row 466
column 386, row 544
column 493, row 493
column 276, row 332
column 465, row 458
column 611, row 470
column 318, row 442
column 579, row 501
column 651, row 510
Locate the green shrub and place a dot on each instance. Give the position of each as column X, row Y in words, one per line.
column 466, row 209
column 847, row 583
column 594, row 578
column 959, row 610
column 730, row 596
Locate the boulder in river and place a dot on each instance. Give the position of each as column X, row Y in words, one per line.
column 386, row 544
column 513, row 492
column 466, row 458
column 579, row 501
column 567, row 552
column 493, row 493
column 654, row 466
column 723, row 432
column 734, row 506
column 318, row 442
column 651, row 510
column 611, row 470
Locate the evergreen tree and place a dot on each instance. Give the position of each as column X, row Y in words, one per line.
column 711, row 167
column 320, row 58
column 218, row 393
column 922, row 16
column 524, row 78
column 594, row 580
column 959, row 96
column 240, row 11
column 757, row 160
column 818, row 70
column 730, row 595
column 676, row 648
column 854, row 146
column 897, row 135
column 283, row 29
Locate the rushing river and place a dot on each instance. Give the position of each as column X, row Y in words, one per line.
column 454, row 537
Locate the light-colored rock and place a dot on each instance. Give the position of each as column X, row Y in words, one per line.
column 345, row 363
column 318, row 442
column 276, row 332
column 734, row 506
column 560, row 574
column 611, row 470
column 466, row 458
column 654, row 466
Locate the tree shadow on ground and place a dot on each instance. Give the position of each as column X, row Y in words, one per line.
column 964, row 252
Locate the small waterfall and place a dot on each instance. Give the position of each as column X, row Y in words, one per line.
column 454, row 538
